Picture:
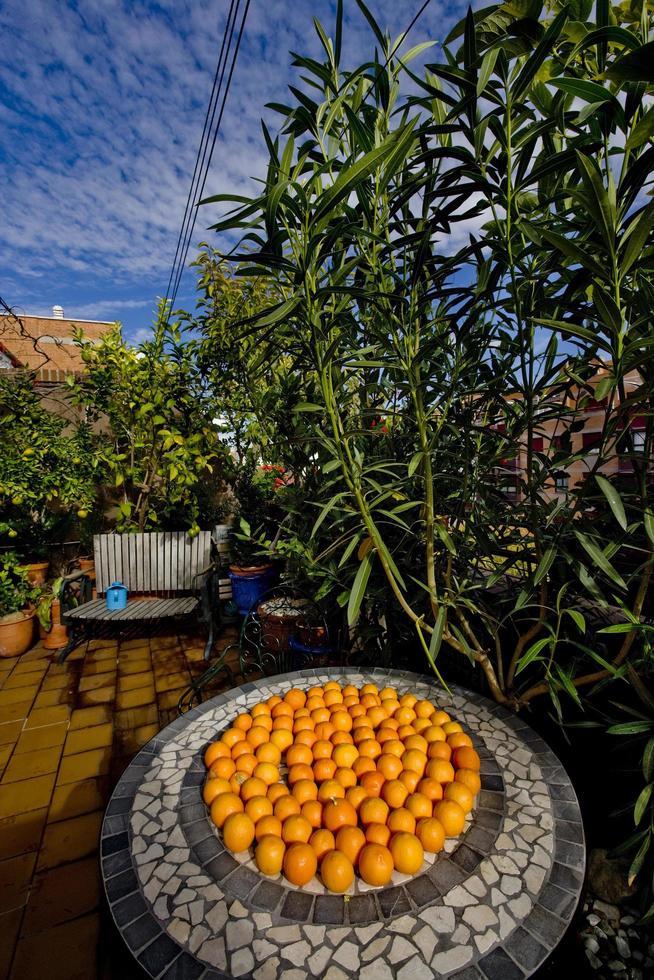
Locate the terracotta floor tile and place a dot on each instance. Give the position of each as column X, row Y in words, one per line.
column 21, row 833
column 94, row 682
column 15, row 878
column 38, row 652
column 132, row 741
column 14, row 695
column 101, row 695
column 86, row 717
column 84, row 765
column 99, row 668
column 134, row 667
column 124, row 721
column 37, row 739
column 101, row 655
column 135, row 698
column 103, row 643
column 83, row 739
column 26, row 795
column 69, row 840
column 74, row 799
column 9, row 927
column 15, row 712
column 58, row 677
column 78, row 654
column 26, row 765
column 67, row 952
column 178, row 679
column 134, row 644
column 47, row 716
column 61, row 894
column 169, row 699
column 50, row 699
column 9, row 731
column 30, row 678
column 5, row 754
column 128, row 682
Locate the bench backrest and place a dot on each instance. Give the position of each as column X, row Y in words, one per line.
column 154, row 562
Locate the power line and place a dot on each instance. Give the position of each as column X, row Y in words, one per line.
column 207, row 156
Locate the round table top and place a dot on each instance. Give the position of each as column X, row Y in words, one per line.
column 494, row 903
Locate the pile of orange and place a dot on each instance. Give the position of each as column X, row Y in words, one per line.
column 342, row 779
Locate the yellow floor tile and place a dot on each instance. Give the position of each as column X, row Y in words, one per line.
column 173, row 680
column 14, row 695
column 83, row 739
column 26, row 795
column 67, row 952
column 101, row 656
column 101, row 695
column 37, row 739
column 127, row 667
column 135, row 698
column 5, row 754
column 86, row 717
column 93, row 682
column 15, row 712
column 130, row 742
column 9, row 731
column 58, row 677
column 131, row 718
column 84, row 765
column 30, row 678
column 47, row 716
column 21, row 833
column 50, row 699
column 76, row 798
column 15, row 878
column 25, row 765
column 9, row 926
column 169, row 699
column 128, row 682
column 62, row 894
column 97, row 669
column 70, row 840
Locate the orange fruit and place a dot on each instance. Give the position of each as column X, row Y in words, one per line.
column 253, row 786
column 345, row 777
column 375, row 864
column 369, row 688
column 329, row 790
column 394, row 747
column 390, row 706
column 450, row 815
column 363, row 765
column 404, row 715
column 286, row 806
column 276, row 791
column 408, row 699
column 404, row 732
column 269, row 752
column 223, row 806
column 431, row 835
column 257, row 735
column 299, row 755
column 356, row 795
column 320, row 715
column 370, row 748
column 325, row 730
column 336, row 872
column 394, row 793
column 419, row 805
column 401, row 820
column 420, row 725
column 223, row 767
column 324, row 769
column 300, row 863
column 369, row 701
column 307, row 737
column 246, row 763
column 430, row 788
column 322, row 749
column 373, row 810
column 238, row 832
column 450, row 727
column 303, row 725
column 388, row 692
column 376, row 715
column 389, row 765
column 296, row 828
column 281, row 739
column 236, row 781
column 312, row 811
column 282, row 709
column 341, row 721
column 272, row 701
column 269, row 854
column 439, row 750
column 268, row 827
column 315, row 692
column 373, row 783
column 338, row 813
column 257, row 807
column 350, row 840
column 264, row 721
column 331, row 686
column 385, row 734
column 295, row 697
column 440, row 718
column 356, row 711
column 350, row 691
column 424, row 709
column 414, row 760
column 232, row 736
column 322, row 841
column 458, row 740
column 283, row 722
column 410, row 778
column 345, row 755
column 305, row 789
column 407, row 853
column 440, row 770
column 332, row 698
column 469, row 778
column 261, row 708
column 350, row 700
column 378, row 833
column 241, row 748
column 466, row 758
column 298, row 772
column 417, row 742
column 364, row 733
column 341, row 738
column 460, row 794
column 213, row 788
column 216, row 750
column 434, row 733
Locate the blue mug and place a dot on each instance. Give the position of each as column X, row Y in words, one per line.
column 116, row 596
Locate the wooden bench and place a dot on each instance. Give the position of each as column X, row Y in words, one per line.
column 168, row 574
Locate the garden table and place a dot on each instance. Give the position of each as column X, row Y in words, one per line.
column 494, row 904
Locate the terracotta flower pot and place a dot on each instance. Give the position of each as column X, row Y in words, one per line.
column 16, row 633
column 279, row 619
column 57, row 635
column 37, row 572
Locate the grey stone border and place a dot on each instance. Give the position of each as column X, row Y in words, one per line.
column 517, row 955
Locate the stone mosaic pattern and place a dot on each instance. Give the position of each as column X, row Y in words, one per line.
column 494, row 904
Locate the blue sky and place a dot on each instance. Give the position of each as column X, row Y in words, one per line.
column 101, row 109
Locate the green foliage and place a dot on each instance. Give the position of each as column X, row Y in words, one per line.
column 159, row 447
column 47, row 468
column 16, row 593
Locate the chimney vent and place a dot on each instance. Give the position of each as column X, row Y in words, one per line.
column 58, row 312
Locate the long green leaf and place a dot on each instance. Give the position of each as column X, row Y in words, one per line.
column 358, row 590
column 600, row 559
column 648, row 760
column 638, row 232
column 613, row 498
column 532, row 653
column 538, row 57
column 544, row 565
column 637, row 862
column 631, row 728
column 641, row 803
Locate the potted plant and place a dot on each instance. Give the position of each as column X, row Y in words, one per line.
column 16, row 610
column 48, row 610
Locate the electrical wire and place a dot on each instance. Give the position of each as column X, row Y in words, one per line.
column 207, row 155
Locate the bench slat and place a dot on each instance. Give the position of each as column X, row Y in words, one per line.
column 157, row 562
column 137, row 609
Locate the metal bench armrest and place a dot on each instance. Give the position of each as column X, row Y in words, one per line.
column 85, row 591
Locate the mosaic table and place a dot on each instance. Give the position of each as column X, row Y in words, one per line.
column 494, row 904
